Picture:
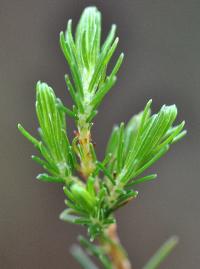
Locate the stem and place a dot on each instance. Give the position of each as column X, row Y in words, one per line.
column 87, row 164
column 110, row 242
column 114, row 249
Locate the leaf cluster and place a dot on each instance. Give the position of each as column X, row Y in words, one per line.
column 139, row 144
column 88, row 61
column 54, row 145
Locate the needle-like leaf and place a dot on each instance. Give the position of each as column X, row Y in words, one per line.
column 162, row 253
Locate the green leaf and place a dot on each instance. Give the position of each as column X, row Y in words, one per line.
column 106, row 172
column 151, row 162
column 143, row 179
column 83, row 198
column 91, row 185
column 124, row 198
column 82, row 258
column 34, row 141
column 162, row 253
column 117, row 65
column 113, row 141
column 179, row 137
column 67, row 111
column 109, row 38
column 120, row 151
column 102, row 63
column 66, row 216
column 103, row 91
column 47, row 178
column 71, row 89
column 131, row 132
column 96, row 251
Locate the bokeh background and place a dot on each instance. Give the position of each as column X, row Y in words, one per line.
column 161, row 41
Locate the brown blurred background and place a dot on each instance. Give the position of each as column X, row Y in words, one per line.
column 161, row 41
